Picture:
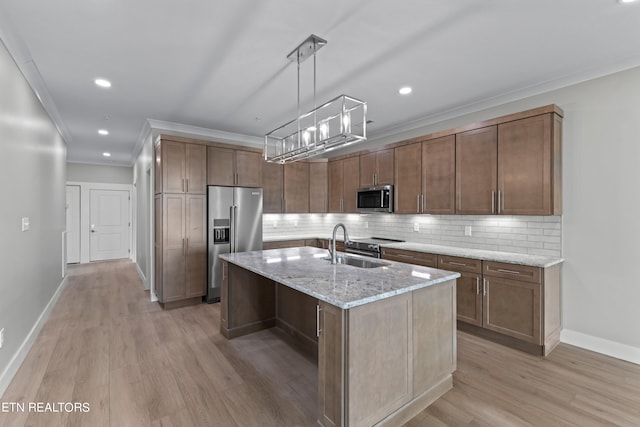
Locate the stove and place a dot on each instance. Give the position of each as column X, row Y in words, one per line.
column 368, row 247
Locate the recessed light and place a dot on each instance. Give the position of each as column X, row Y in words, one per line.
column 106, row 154
column 103, row 132
column 406, row 90
column 102, row 82
column 626, row 1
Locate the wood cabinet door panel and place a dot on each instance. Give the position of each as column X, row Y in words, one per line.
column 408, row 178
column 272, row 187
column 158, row 246
column 476, row 171
column 296, row 187
column 439, row 175
column 367, row 169
column 331, row 369
column 173, row 167
column 248, row 165
column 385, row 167
column 336, row 178
column 513, row 308
column 351, row 184
column 318, row 187
column 196, row 246
column 196, row 168
column 469, row 298
column 220, row 166
column 173, row 260
column 524, row 166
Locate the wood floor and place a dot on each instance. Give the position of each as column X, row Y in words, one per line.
column 137, row 365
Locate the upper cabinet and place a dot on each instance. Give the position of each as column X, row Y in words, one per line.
column 512, row 168
column 296, row 187
column 344, row 178
column 318, row 187
column 226, row 166
column 377, row 168
column 180, row 167
column 476, row 171
column 425, row 177
column 272, row 187
column 529, row 162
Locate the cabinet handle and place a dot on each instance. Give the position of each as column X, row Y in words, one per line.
column 404, row 256
column 508, row 271
column 318, row 329
column 493, row 201
column 418, row 203
column 422, row 203
column 183, row 247
column 341, row 205
column 477, row 285
column 285, row 205
column 457, row 263
column 498, row 202
column 484, row 287
column 186, row 247
column 183, row 185
column 187, row 185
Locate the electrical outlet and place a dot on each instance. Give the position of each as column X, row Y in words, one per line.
column 416, row 226
column 25, row 223
column 467, row 230
column 1, row 337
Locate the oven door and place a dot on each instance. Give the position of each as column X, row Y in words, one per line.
column 371, row 254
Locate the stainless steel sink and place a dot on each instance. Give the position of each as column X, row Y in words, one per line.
column 357, row 261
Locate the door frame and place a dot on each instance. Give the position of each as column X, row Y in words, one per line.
column 85, row 219
column 68, row 207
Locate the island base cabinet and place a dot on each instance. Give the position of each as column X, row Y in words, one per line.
column 357, row 383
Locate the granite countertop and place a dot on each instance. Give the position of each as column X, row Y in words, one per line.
column 343, row 286
column 485, row 255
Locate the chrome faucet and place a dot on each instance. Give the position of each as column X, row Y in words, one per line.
column 332, row 244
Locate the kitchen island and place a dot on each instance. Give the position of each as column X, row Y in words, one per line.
column 385, row 336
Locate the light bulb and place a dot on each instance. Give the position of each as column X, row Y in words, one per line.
column 324, row 131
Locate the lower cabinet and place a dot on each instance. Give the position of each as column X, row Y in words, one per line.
column 469, row 287
column 410, row 257
column 181, row 248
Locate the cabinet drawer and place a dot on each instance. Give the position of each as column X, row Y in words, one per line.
column 523, row 273
column 283, row 244
column 410, row 257
column 459, row 264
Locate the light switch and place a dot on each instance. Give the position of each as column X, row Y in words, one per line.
column 25, row 223
column 416, row 226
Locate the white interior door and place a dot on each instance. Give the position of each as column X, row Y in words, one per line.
column 73, row 224
column 109, row 226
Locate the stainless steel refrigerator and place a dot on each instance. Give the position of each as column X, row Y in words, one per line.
column 235, row 225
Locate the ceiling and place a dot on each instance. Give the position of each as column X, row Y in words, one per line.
column 221, row 65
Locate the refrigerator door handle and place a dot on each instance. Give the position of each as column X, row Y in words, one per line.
column 235, row 228
column 232, row 229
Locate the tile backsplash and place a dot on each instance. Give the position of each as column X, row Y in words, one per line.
column 533, row 235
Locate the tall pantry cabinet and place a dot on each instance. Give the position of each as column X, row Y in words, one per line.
column 180, row 230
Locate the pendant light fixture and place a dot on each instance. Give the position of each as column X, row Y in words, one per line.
column 335, row 124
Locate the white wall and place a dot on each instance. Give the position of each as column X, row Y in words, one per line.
column 81, row 172
column 32, row 181
column 143, row 188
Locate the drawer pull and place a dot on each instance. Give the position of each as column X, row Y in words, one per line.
column 404, row 256
column 461, row 264
column 508, row 271
column 477, row 285
column 318, row 329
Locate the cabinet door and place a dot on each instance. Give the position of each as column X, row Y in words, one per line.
column 196, row 168
column 220, row 166
column 513, row 308
column 336, row 178
column 385, row 167
column 439, row 175
column 351, row 184
column 196, row 246
column 524, row 166
column 367, row 170
column 408, row 176
column 173, row 167
column 272, row 187
column 296, row 187
column 158, row 246
column 331, row 353
column 318, row 187
column 476, row 171
column 469, row 298
column 248, row 168
column 173, row 260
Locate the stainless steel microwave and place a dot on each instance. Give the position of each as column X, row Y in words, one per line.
column 375, row 199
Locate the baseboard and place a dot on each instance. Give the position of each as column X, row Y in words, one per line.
column 601, row 345
column 15, row 363
column 142, row 277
